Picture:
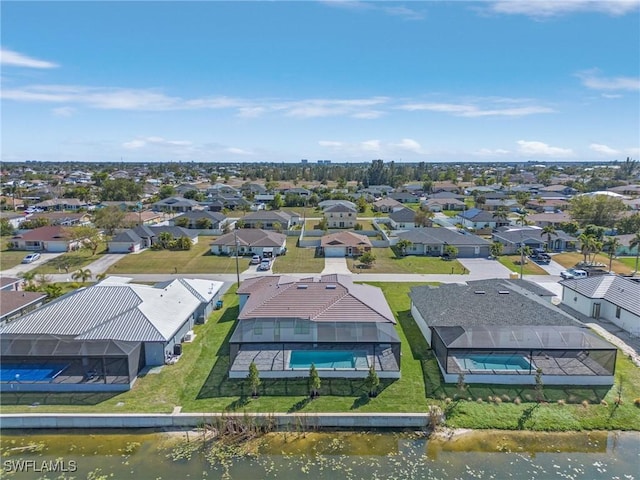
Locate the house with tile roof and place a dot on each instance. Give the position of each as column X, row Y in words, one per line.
column 48, row 239
column 14, row 304
column 513, row 332
column 345, row 244
column 286, row 324
column 608, row 297
column 99, row 338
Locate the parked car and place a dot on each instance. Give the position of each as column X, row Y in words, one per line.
column 32, row 257
column 265, row 264
column 255, row 260
column 573, row 273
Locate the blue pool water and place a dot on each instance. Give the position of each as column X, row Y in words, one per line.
column 493, row 362
column 326, row 359
column 12, row 372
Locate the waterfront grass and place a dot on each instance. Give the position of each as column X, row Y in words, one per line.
column 529, row 268
column 388, row 261
column 298, row 260
column 196, row 260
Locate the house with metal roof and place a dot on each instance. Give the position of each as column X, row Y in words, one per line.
column 502, row 332
column 608, row 297
column 99, row 338
column 286, row 324
column 431, row 241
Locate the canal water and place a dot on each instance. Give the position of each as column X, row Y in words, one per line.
column 335, row 455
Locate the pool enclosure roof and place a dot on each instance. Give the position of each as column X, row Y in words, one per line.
column 48, row 345
column 521, row 338
column 289, row 330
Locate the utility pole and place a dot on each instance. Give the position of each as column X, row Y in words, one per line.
column 235, row 237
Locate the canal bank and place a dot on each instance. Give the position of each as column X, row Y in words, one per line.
column 178, row 420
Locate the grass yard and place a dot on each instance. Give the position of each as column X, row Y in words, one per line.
column 73, row 261
column 388, row 262
column 569, row 260
column 629, row 262
column 197, row 260
column 11, row 258
column 529, row 268
column 298, row 260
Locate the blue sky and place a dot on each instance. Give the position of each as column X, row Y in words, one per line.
column 346, row 81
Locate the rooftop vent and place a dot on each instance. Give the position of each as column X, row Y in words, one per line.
column 330, row 287
column 302, row 287
column 479, row 292
column 503, row 292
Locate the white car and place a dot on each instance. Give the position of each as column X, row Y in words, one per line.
column 573, row 273
column 255, row 260
column 265, row 264
column 32, row 257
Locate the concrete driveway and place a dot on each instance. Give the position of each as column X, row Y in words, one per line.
column 25, row 267
column 484, row 268
column 335, row 265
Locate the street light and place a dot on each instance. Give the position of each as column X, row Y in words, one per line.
column 235, row 237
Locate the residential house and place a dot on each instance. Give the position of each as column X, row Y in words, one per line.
column 219, row 203
column 250, row 241
column 545, row 219
column 341, row 215
column 221, row 189
column 330, row 203
column 250, row 189
column 10, row 284
column 440, row 204
column 385, row 205
column 548, row 205
column 264, row 198
column 512, row 332
column 196, row 217
column 446, row 195
column 404, row 197
column 57, row 204
column 508, row 204
column 345, row 244
column 144, row 217
column 300, row 192
column 608, row 297
column 127, row 241
column 512, row 237
column 270, row 220
column 625, row 245
column 402, row 218
column 558, row 189
column 177, row 204
column 286, row 324
column 48, row 239
column 125, row 206
column 65, row 219
column 14, row 218
column 99, row 338
column 630, row 190
column 378, row 190
column 14, row 304
column 478, row 219
column 431, row 241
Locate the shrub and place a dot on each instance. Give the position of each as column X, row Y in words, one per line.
column 517, row 401
column 585, row 403
column 562, row 402
column 604, row 403
column 447, row 400
column 479, row 400
column 506, row 398
column 498, row 400
column 636, row 402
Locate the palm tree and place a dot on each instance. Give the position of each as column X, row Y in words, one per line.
column 403, row 245
column 587, row 245
column 611, row 246
column 635, row 243
column 501, row 213
column 82, row 274
column 522, row 219
column 548, row 231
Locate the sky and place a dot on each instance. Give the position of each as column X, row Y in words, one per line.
column 272, row 81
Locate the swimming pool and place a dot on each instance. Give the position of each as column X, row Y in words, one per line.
column 327, row 359
column 490, row 362
column 30, row 372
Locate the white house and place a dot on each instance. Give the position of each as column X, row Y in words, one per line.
column 610, row 297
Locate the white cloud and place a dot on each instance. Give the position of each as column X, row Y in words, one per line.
column 63, row 111
column 472, row 110
column 251, row 112
column 10, row 58
column 534, row 148
column 488, row 152
column 408, row 144
column 611, row 95
column 356, row 108
column 552, row 8
column 330, row 144
column 155, row 142
column 591, row 79
column 371, row 146
column 604, row 149
column 401, row 11
column 237, row 151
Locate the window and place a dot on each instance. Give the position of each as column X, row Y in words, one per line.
column 257, row 329
column 301, row 328
column 618, row 309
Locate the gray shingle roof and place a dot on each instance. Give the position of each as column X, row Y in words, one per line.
column 434, row 235
column 459, row 305
column 252, row 236
column 126, row 237
column 620, row 291
column 403, row 215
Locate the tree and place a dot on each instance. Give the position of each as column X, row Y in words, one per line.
column 367, row 259
column 182, row 222
column 254, row 379
column 403, row 245
column 629, row 224
column 423, row 217
column 522, row 219
column 5, row 227
column 183, row 243
column 611, row 245
column 277, row 203
column 90, row 237
column 635, row 243
column 27, row 279
column 588, row 246
column 600, row 210
column 450, row 250
column 204, row 223
column 109, row 219
column 314, row 381
column 53, row 291
column 495, row 249
column 548, row 230
column 164, row 240
column 166, row 191
column 361, row 203
column 120, row 190
column 501, row 214
column 32, row 223
column 323, row 224
column 82, row 274
column 523, row 198
column 570, row 227
column 372, row 381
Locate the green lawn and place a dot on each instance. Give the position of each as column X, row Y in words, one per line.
column 629, row 262
column 197, row 260
column 569, row 260
column 388, row 262
column 71, row 260
column 10, row 258
column 298, row 260
column 529, row 268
